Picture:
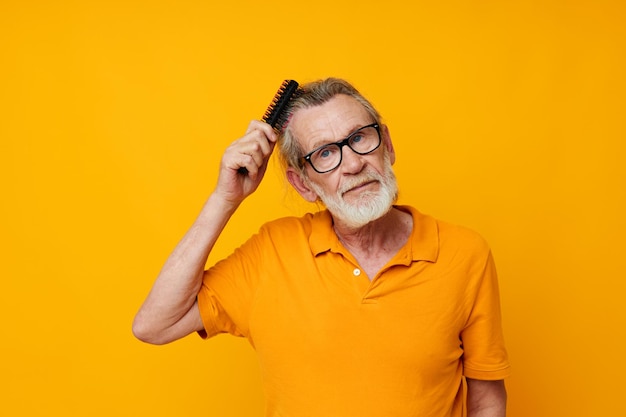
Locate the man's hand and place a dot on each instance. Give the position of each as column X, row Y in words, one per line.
column 251, row 152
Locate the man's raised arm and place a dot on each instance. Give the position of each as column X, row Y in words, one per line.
column 170, row 310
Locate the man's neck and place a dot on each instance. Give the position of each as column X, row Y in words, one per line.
column 374, row 244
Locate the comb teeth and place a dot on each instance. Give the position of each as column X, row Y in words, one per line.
column 274, row 115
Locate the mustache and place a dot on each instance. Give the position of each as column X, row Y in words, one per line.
column 358, row 181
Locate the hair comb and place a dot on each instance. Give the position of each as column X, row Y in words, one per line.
column 275, row 114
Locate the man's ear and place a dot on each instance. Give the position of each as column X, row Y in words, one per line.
column 295, row 179
column 386, row 138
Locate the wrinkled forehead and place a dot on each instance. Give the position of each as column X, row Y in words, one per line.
column 328, row 122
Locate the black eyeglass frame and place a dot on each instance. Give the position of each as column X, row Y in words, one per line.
column 341, row 144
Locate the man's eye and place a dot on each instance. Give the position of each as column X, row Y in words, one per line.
column 325, row 153
column 356, row 138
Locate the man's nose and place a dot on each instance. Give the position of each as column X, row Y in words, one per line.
column 352, row 162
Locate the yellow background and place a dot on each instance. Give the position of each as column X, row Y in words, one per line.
column 507, row 117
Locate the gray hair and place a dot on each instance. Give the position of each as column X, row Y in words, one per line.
column 310, row 95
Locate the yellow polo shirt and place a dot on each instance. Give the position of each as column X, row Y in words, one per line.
column 332, row 343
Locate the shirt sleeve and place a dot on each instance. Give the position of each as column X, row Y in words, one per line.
column 228, row 290
column 485, row 355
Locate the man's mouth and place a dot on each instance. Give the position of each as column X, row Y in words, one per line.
column 359, row 187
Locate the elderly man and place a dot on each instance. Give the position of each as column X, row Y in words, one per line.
column 366, row 308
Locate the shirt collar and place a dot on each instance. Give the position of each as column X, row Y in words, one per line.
column 423, row 244
column 322, row 237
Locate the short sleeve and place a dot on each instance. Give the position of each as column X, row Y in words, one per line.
column 227, row 292
column 485, row 355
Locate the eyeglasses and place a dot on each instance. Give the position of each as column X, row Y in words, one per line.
column 328, row 157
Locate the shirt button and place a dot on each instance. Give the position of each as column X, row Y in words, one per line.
column 356, row 272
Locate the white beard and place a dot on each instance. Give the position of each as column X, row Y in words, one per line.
column 369, row 205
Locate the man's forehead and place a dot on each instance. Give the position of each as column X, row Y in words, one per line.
column 332, row 120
